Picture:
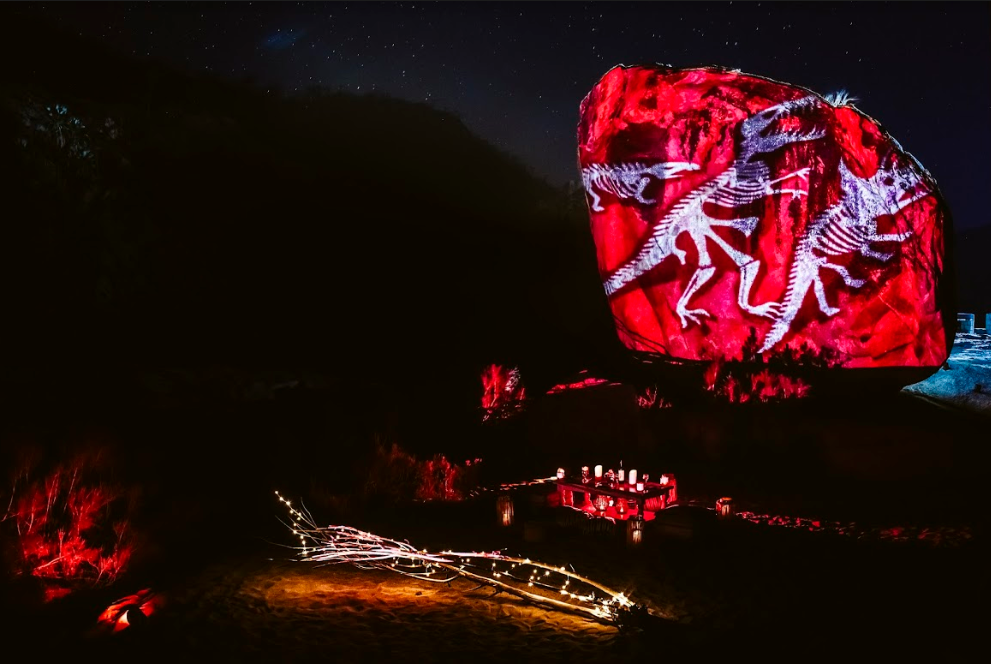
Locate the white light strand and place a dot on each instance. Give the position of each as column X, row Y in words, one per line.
column 344, row 544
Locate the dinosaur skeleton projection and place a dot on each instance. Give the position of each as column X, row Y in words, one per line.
column 721, row 202
column 629, row 180
column 746, row 180
column 848, row 227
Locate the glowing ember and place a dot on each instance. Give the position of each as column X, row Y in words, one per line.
column 948, row 536
column 584, row 380
column 116, row 615
column 548, row 585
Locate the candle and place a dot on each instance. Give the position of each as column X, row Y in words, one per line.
column 560, row 473
column 621, row 476
column 585, row 474
column 633, row 477
column 639, row 486
column 598, row 472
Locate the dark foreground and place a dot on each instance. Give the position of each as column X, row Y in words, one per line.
column 721, row 587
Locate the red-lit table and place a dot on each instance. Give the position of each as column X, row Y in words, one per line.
column 651, row 492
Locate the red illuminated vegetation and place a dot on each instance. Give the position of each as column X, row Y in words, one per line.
column 503, row 392
column 764, row 377
column 72, row 528
column 649, row 398
column 398, row 476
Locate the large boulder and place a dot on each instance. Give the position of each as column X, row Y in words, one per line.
column 732, row 212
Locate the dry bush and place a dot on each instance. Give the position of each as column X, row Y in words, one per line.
column 71, row 525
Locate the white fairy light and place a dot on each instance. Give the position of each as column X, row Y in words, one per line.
column 344, row 544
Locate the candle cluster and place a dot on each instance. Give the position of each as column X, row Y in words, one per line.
column 620, row 479
column 548, row 585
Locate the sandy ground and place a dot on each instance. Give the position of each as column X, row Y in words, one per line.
column 728, row 589
column 747, row 589
column 266, row 608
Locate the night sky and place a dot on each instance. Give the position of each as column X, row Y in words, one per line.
column 516, row 72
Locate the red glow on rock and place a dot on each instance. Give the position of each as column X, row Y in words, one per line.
column 722, row 202
column 72, row 528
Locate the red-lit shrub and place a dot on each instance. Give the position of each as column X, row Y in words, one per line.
column 442, row 480
column 503, row 393
column 763, row 377
column 649, row 398
column 71, row 525
column 395, row 476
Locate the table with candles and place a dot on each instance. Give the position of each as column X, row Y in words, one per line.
column 616, row 495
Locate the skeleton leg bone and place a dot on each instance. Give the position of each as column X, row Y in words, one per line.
column 882, row 256
column 891, row 237
column 821, row 297
column 802, row 174
column 748, row 274
column 749, row 268
column 595, row 200
column 701, row 276
column 842, row 271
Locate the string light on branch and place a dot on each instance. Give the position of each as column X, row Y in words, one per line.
column 552, row 586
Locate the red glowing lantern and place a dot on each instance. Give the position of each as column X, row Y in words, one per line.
column 634, row 531
column 504, row 509
column 724, row 507
column 727, row 207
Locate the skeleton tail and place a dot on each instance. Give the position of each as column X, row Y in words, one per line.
column 798, row 288
column 659, row 246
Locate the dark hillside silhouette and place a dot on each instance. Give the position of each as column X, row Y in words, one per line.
column 158, row 218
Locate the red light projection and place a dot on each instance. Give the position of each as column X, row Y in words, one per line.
column 722, row 202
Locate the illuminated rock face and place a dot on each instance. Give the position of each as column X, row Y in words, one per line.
column 722, row 202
